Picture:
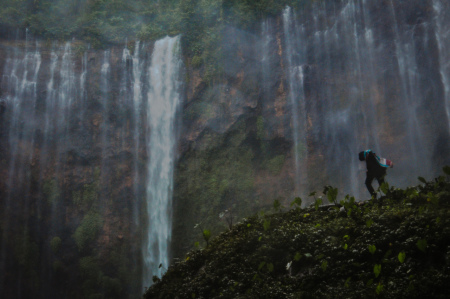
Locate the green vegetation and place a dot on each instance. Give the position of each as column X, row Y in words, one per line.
column 51, row 191
column 95, row 283
column 88, row 229
column 394, row 247
column 216, row 177
column 100, row 22
column 114, row 21
column 26, row 253
column 275, row 164
column 87, row 197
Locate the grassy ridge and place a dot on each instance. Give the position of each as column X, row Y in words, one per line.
column 396, row 247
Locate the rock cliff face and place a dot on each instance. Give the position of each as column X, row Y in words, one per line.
column 295, row 101
column 301, row 97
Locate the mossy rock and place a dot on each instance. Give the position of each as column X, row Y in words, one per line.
column 51, row 191
column 88, row 229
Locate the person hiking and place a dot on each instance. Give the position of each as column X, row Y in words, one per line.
column 376, row 169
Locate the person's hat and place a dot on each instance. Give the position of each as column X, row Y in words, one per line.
column 361, row 156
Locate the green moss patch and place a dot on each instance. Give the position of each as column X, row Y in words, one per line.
column 88, row 229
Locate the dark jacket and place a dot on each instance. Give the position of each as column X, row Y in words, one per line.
column 373, row 167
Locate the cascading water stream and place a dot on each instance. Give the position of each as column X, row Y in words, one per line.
column 350, row 36
column 66, row 95
column 163, row 102
column 265, row 61
column 352, row 104
column 21, row 85
column 69, row 125
column 105, row 92
column 442, row 12
column 410, row 93
column 83, row 81
column 296, row 96
column 138, row 67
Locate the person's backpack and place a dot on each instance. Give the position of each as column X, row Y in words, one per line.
column 382, row 161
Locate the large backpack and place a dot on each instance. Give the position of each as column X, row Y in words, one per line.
column 382, row 161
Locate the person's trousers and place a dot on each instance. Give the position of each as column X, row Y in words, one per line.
column 369, row 180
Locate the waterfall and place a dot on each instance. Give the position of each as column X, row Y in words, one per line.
column 442, row 12
column 20, row 84
column 73, row 126
column 410, row 91
column 131, row 93
column 296, row 57
column 138, row 67
column 356, row 95
column 105, row 94
column 163, row 101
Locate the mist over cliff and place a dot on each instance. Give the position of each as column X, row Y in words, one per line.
column 121, row 141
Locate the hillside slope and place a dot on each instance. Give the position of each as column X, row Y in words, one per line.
column 396, row 247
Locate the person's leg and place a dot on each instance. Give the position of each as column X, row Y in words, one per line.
column 369, row 179
column 380, row 179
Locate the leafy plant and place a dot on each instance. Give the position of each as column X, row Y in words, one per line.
column 266, row 224
column 384, row 187
column 297, row 201
column 372, row 249
column 318, row 203
column 401, row 257
column 422, row 245
column 331, row 194
column 261, row 265
column 324, row 265
column 347, row 282
column 379, row 288
column 277, row 205
column 433, row 199
column 206, row 236
column 269, row 266
column 349, row 204
column 345, row 245
column 377, row 270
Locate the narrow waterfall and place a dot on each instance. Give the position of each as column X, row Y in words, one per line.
column 20, row 84
column 267, row 40
column 105, row 94
column 133, row 67
column 442, row 17
column 269, row 47
column 295, row 58
column 163, row 102
column 138, row 67
column 411, row 95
